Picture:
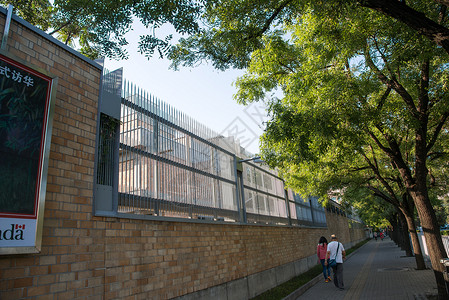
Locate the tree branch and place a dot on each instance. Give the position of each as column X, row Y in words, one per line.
column 391, row 83
column 436, row 155
column 443, row 2
column 379, row 177
column 423, row 102
column 412, row 18
column 268, row 22
column 286, row 67
column 384, row 58
column 437, row 131
column 60, row 27
column 379, row 143
column 359, row 169
column 379, row 193
column 383, row 99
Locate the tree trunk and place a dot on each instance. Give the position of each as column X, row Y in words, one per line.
column 420, row 194
column 405, row 239
column 417, row 189
column 408, row 209
column 394, row 233
column 433, row 238
column 419, row 258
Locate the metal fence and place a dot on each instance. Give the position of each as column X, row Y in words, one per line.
column 168, row 165
column 171, row 166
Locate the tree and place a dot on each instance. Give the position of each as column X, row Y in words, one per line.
column 352, row 79
column 374, row 212
column 366, row 185
column 99, row 27
column 377, row 213
column 235, row 28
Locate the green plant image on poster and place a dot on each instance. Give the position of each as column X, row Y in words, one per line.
column 23, row 105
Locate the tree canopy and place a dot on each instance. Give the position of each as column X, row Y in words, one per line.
column 224, row 31
column 98, row 28
column 234, row 29
column 361, row 91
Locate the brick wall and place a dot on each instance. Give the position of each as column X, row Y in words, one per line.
column 70, row 255
column 88, row 257
column 162, row 260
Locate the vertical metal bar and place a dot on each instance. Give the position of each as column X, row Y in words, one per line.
column 143, row 200
column 7, row 27
column 135, row 183
column 131, row 153
column 143, row 141
column 195, row 159
column 178, row 179
column 161, row 166
column 237, row 195
column 167, row 155
column 213, row 188
column 126, row 159
column 120, row 156
column 287, row 201
column 123, row 158
column 192, row 175
column 164, row 166
column 156, row 150
column 242, row 195
column 186, row 180
column 149, row 164
column 311, row 211
column 194, row 179
column 151, row 178
column 130, row 162
column 184, row 193
column 137, row 147
column 148, row 159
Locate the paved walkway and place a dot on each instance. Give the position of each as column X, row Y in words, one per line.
column 377, row 270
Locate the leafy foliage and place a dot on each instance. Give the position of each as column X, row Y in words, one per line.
column 226, row 32
column 99, row 27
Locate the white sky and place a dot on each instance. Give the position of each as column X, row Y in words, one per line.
column 203, row 93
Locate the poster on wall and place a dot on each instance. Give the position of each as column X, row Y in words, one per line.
column 25, row 133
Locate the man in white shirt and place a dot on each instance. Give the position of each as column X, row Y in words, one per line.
column 339, row 256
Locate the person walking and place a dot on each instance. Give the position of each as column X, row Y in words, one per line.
column 321, row 251
column 335, row 250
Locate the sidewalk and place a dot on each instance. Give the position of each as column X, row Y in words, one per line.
column 378, row 270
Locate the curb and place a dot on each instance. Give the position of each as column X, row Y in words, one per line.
column 301, row 290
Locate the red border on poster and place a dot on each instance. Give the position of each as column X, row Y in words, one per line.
column 43, row 138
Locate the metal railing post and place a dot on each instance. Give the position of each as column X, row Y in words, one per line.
column 237, row 190
column 287, row 203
